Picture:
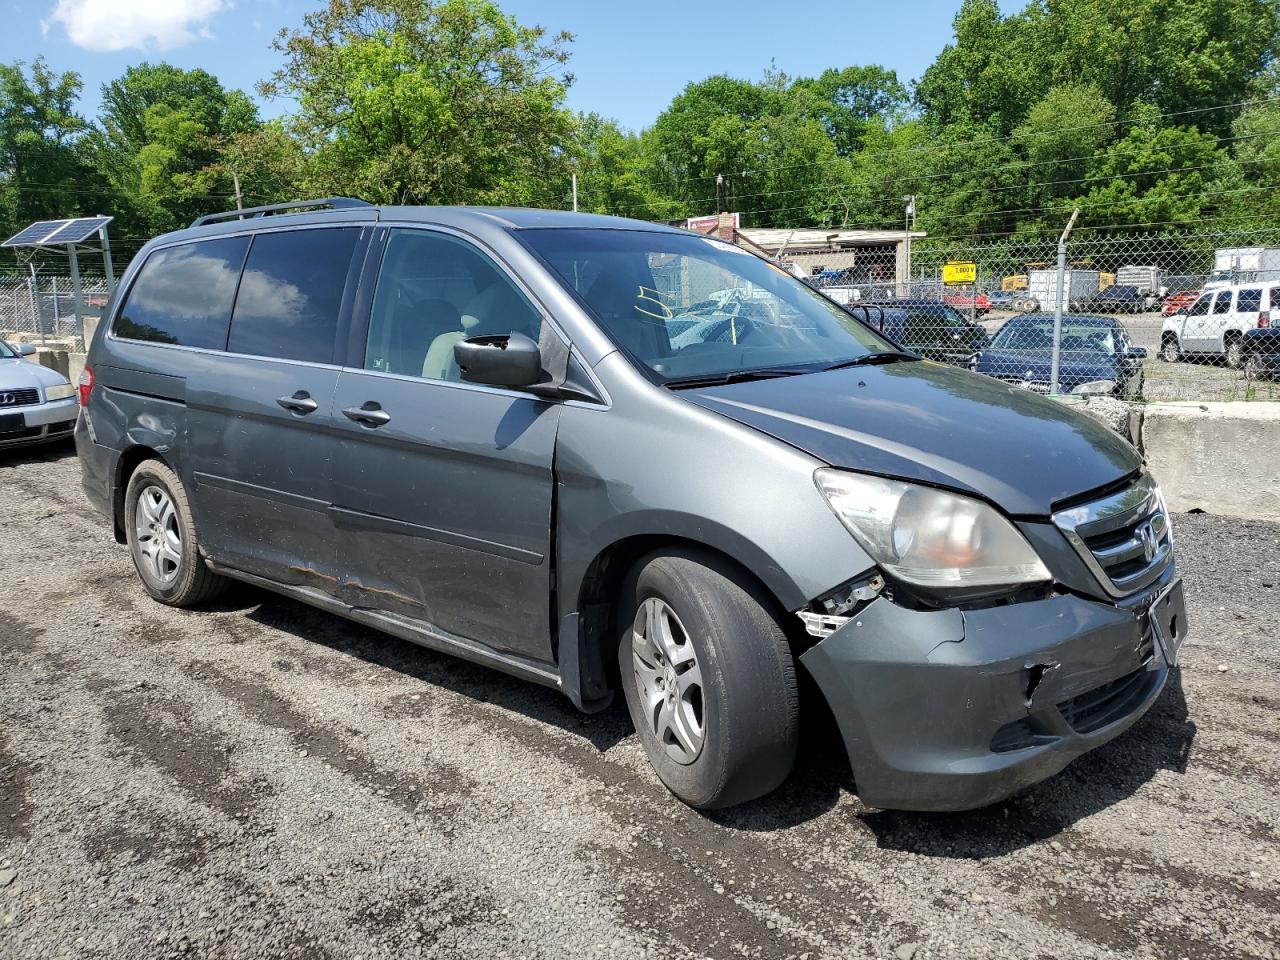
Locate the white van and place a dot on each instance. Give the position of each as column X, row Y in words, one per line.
column 1216, row 322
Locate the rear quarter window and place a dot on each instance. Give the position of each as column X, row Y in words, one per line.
column 1249, row 301
column 291, row 294
column 183, row 294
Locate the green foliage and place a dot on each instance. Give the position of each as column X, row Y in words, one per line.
column 443, row 101
column 1132, row 109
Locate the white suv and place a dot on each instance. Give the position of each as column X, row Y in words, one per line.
column 1216, row 322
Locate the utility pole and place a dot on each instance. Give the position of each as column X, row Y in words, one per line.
column 909, row 221
column 235, row 178
column 1057, row 309
column 575, row 193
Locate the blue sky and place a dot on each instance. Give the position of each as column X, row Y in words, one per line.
column 629, row 58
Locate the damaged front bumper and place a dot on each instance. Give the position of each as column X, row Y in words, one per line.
column 955, row 709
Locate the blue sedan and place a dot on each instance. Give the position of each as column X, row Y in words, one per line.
column 1096, row 357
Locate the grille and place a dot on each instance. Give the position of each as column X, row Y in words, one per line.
column 1108, row 703
column 1124, row 538
column 19, row 398
column 25, row 434
column 1035, row 386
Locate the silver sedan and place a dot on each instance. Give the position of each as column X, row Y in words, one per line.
column 36, row 404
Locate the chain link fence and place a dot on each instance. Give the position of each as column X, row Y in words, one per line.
column 43, row 308
column 1192, row 316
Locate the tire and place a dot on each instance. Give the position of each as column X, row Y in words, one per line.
column 163, row 540
column 740, row 731
column 1254, row 369
column 1170, row 350
column 1235, row 353
column 1134, row 390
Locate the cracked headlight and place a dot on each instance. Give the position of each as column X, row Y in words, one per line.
column 1095, row 388
column 59, row 391
column 928, row 537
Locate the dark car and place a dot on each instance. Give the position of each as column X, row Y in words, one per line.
column 927, row 327
column 1096, row 357
column 471, row 429
column 1114, row 299
column 1260, row 350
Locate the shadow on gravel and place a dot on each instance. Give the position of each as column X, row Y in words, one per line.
column 43, row 453
column 1108, row 775
column 603, row 730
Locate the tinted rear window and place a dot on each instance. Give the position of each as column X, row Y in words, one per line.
column 1249, row 301
column 183, row 294
column 291, row 294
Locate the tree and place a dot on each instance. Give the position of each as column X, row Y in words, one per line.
column 849, row 101
column 428, row 101
column 611, row 171
column 43, row 173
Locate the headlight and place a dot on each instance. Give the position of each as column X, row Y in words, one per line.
column 1095, row 387
column 59, row 391
column 929, row 537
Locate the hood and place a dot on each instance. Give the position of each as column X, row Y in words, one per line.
column 18, row 373
column 935, row 424
column 1073, row 368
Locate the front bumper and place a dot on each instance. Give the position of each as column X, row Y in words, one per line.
column 42, row 422
column 951, row 709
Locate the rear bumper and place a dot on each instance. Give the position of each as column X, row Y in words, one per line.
column 44, row 422
column 951, row 710
column 97, row 469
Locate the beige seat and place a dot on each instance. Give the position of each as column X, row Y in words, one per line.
column 494, row 310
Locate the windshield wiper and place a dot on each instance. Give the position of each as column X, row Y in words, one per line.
column 736, row 376
column 882, row 356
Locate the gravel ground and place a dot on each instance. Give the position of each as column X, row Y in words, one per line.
column 262, row 780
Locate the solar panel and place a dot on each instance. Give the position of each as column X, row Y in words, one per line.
column 57, row 232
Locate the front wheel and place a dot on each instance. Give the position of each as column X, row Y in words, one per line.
column 162, row 538
column 709, row 680
column 1254, row 369
column 1170, row 351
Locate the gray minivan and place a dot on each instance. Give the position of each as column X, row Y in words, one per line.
column 471, row 428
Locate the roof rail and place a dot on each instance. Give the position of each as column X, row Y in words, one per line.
column 331, row 203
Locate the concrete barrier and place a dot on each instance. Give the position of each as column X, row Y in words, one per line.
column 1218, row 457
column 54, row 359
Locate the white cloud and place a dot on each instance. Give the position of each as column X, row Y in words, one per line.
column 123, row 24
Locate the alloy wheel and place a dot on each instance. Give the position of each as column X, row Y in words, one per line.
column 669, row 680
column 157, row 534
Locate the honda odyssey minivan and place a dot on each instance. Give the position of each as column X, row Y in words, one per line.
column 472, row 429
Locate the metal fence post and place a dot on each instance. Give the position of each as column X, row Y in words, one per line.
column 1057, row 307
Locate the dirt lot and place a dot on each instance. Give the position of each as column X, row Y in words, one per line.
column 262, row 780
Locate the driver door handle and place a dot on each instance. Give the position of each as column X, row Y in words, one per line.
column 300, row 402
column 370, row 414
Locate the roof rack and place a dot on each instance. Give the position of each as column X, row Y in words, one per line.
column 331, row 203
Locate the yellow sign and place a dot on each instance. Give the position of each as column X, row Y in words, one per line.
column 959, row 271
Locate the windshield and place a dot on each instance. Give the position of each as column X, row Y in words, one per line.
column 6, row 352
column 1029, row 335
column 689, row 307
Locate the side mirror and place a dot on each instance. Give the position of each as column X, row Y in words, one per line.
column 501, row 360
column 1137, row 353
column 26, row 349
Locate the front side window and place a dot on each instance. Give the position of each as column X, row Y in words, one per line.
column 434, row 291
column 183, row 294
column 291, row 294
column 1201, row 306
column 689, row 307
column 1223, row 303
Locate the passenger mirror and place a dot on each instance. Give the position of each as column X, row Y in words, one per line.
column 1137, row 353
column 26, row 349
column 501, row 360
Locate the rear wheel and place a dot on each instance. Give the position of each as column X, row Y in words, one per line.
column 1170, row 350
column 709, row 680
column 162, row 538
column 1235, row 353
